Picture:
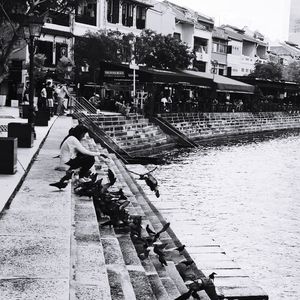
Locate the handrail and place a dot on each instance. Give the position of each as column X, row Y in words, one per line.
column 89, row 107
column 166, row 126
column 100, row 134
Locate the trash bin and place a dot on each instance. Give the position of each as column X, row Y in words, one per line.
column 22, row 131
column 24, row 109
column 42, row 117
column 8, row 155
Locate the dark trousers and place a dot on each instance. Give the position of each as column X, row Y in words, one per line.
column 84, row 162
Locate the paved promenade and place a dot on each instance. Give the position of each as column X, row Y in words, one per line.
column 35, row 231
column 9, row 183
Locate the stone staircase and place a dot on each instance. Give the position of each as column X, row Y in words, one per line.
column 106, row 263
column 207, row 125
column 135, row 134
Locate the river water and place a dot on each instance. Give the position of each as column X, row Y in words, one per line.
column 246, row 194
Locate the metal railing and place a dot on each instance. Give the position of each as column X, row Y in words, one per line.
column 80, row 104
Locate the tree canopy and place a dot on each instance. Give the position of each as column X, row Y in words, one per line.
column 149, row 49
column 270, row 70
column 14, row 14
column 292, row 72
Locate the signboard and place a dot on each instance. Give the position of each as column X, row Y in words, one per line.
column 134, row 67
column 115, row 74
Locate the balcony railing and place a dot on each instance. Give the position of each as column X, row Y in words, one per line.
column 84, row 19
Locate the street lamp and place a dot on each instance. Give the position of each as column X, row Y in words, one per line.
column 31, row 30
column 214, row 64
column 132, row 64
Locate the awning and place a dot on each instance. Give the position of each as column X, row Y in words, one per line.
column 170, row 77
column 225, row 84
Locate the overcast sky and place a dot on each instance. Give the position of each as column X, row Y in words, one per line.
column 270, row 17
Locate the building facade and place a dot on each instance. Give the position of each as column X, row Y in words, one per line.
column 294, row 25
column 226, row 50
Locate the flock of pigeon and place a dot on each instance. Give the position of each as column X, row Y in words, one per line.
column 147, row 242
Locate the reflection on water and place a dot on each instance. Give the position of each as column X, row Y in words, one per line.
column 246, row 194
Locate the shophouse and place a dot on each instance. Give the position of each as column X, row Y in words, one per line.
column 243, row 50
column 188, row 26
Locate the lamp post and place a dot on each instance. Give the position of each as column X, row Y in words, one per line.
column 133, row 64
column 32, row 29
column 214, row 64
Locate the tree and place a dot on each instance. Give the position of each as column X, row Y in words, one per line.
column 14, row 14
column 270, row 70
column 103, row 45
column 162, row 51
column 150, row 49
column 292, row 72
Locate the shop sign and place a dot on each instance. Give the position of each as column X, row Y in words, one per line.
column 116, row 74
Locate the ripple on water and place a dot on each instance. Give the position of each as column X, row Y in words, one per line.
column 246, row 195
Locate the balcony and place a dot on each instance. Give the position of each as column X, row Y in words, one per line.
column 85, row 19
column 202, row 56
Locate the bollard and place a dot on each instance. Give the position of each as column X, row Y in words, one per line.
column 42, row 118
column 22, row 131
column 8, row 155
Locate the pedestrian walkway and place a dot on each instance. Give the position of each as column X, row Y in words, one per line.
column 35, row 230
column 9, row 183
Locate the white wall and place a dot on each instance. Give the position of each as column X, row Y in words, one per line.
column 160, row 19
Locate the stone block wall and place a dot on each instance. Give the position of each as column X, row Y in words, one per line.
column 206, row 125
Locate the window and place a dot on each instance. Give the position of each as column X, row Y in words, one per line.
column 219, row 47
column 113, row 11
column 200, row 45
column 58, row 18
column 140, row 17
column 177, row 36
column 45, row 48
column 61, row 50
column 127, row 14
column 86, row 12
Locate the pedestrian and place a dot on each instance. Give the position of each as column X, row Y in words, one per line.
column 42, row 102
column 50, row 102
column 75, row 155
column 61, row 92
column 163, row 102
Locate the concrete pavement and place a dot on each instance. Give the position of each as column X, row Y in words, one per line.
column 35, row 231
column 9, row 183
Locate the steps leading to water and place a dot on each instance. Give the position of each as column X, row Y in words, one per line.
column 135, row 134
column 203, row 125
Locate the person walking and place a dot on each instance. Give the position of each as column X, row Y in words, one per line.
column 42, row 102
column 50, row 102
column 61, row 92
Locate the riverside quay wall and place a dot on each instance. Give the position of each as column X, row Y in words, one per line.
column 210, row 125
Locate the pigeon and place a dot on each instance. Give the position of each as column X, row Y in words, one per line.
column 180, row 248
column 93, row 177
column 150, row 232
column 212, row 276
column 185, row 296
column 68, row 176
column 164, row 228
column 60, row 185
column 162, row 260
column 150, row 181
column 111, row 177
column 158, row 249
column 187, row 263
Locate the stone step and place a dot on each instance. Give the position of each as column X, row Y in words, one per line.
column 118, row 250
column 152, row 265
column 89, row 275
